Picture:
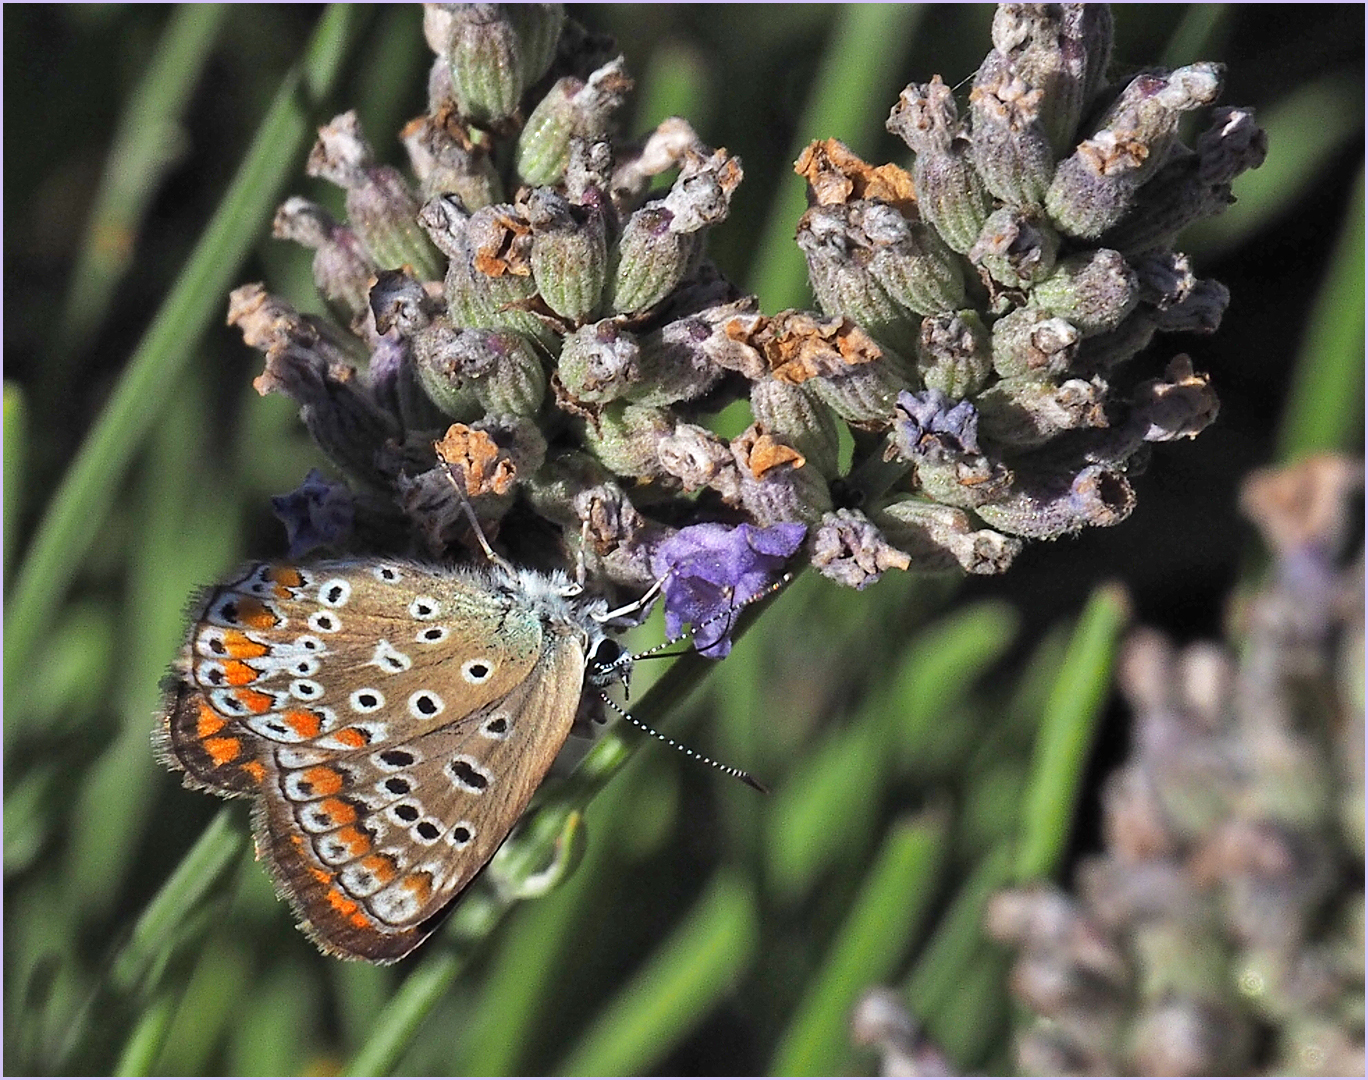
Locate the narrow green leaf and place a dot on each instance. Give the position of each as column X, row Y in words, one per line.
column 147, row 1039
column 885, row 918
column 1324, row 410
column 206, row 1010
column 687, row 976
column 148, row 140
column 16, row 460
column 78, row 509
column 849, row 100
column 1066, row 734
column 1198, row 35
column 407, row 1009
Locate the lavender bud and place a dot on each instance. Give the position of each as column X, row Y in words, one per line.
column 573, row 108
column 843, row 284
column 1050, row 503
column 380, row 207
column 699, row 458
column 652, row 259
column 941, row 439
column 553, row 490
column 675, row 363
column 447, row 161
column 1028, row 341
column 1009, row 146
column 626, row 438
column 777, row 484
column 955, row 353
column 1024, row 411
column 938, row 537
column 569, row 253
column 1097, row 184
column 600, row 362
column 701, row 196
column 1094, row 291
column 341, row 267
column 1016, row 249
column 1100, row 353
column 1199, row 312
column 1061, row 49
column 399, row 302
column 470, row 371
column 489, row 283
column 495, row 51
column 799, row 419
column 1179, row 406
column 849, row 549
column 950, row 194
column 911, row 262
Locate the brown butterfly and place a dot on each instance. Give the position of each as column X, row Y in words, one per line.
column 391, row 720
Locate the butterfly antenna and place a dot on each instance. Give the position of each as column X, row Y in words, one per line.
column 769, row 590
column 739, row 774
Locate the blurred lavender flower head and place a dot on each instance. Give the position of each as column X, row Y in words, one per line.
column 318, row 513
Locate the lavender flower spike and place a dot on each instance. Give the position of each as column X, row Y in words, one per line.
column 713, row 569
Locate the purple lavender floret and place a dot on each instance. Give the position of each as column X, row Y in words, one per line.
column 317, row 513
column 926, row 421
column 714, row 568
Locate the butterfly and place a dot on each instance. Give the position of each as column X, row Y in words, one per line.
column 390, row 719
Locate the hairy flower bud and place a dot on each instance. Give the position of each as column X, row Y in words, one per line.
column 800, row 419
column 469, row 371
column 701, row 196
column 675, row 363
column 950, row 194
column 954, row 355
column 1026, row 411
column 1016, row 249
column 573, row 108
column 569, row 253
column 1097, row 184
column 1010, row 147
column 342, row 268
column 941, row 439
column 447, row 161
column 495, row 52
column 627, row 437
column 1049, row 502
column 850, row 549
column 911, row 262
column 1029, row 341
column 380, row 207
column 937, row 537
column 652, row 259
column 698, row 458
column 777, row 484
column 600, row 362
column 1092, row 291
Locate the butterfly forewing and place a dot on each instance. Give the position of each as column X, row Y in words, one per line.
column 393, row 719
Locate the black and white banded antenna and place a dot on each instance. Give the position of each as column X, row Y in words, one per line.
column 739, row 774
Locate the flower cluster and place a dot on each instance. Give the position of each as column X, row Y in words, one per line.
column 1222, row 930
column 539, row 295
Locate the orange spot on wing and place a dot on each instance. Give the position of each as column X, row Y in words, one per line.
column 340, row 811
column 239, row 674
column 382, row 866
column 223, row 750
column 351, row 737
column 306, row 723
column 252, row 612
column 241, row 647
column 323, row 780
column 255, row 769
column 358, row 843
column 360, row 921
column 341, row 903
column 420, row 885
column 254, row 701
column 209, row 722
column 285, row 579
column 320, row 874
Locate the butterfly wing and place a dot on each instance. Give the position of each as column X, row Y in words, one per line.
column 371, row 869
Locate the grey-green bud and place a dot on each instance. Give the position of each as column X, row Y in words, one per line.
column 911, row 261
column 569, row 253
column 954, row 355
column 1093, row 290
column 341, row 266
column 796, row 416
column 1017, row 249
column 938, row 537
column 499, row 370
column 626, row 438
column 1010, row 147
column 950, row 194
column 600, row 362
column 1028, row 341
column 652, row 259
column 1025, row 412
column 446, row 161
column 573, row 108
column 496, row 51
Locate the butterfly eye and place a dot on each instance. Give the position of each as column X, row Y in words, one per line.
column 606, row 653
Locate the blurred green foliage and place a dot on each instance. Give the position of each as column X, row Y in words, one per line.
column 927, row 741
